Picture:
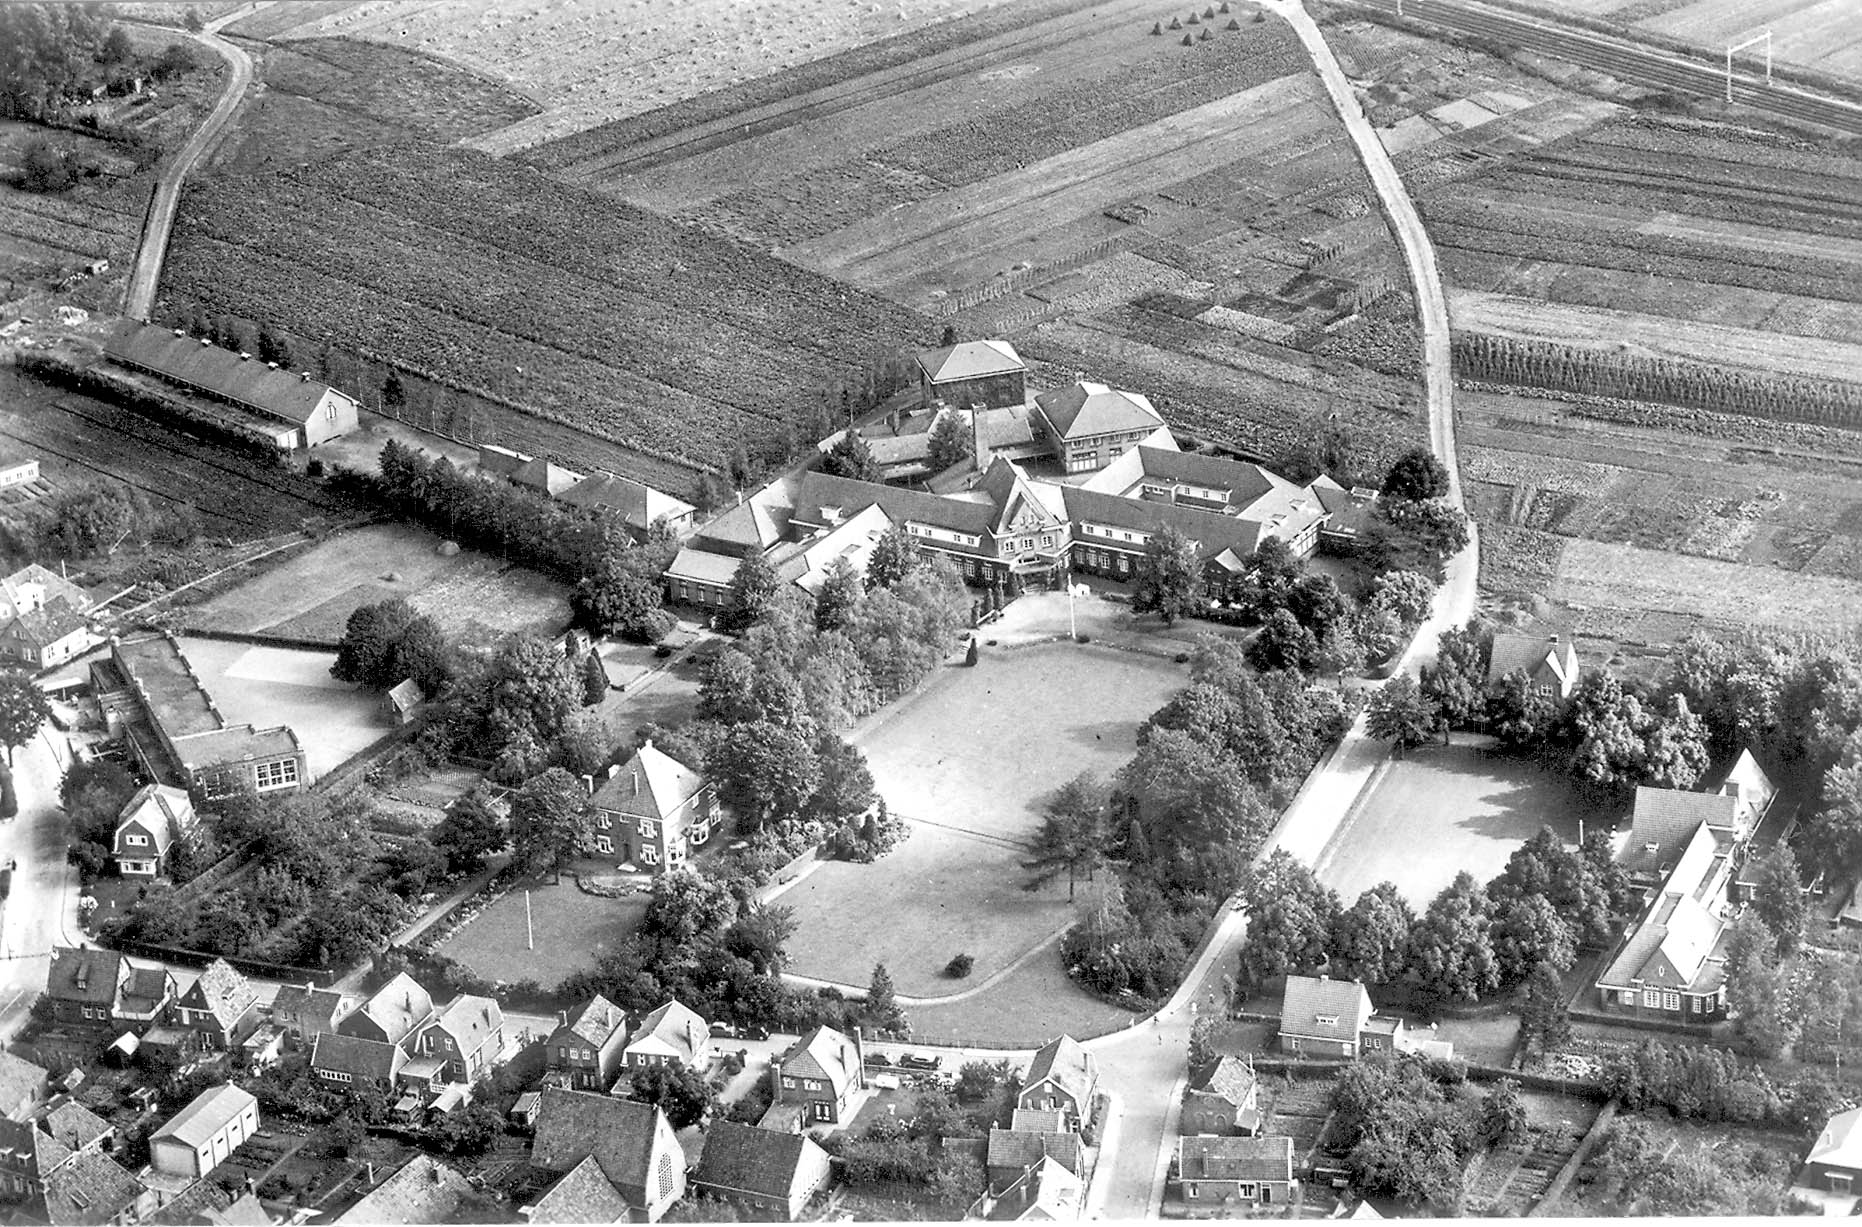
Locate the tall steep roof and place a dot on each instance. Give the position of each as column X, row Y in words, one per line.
column 651, row 784
column 1067, row 1065
column 1318, row 1007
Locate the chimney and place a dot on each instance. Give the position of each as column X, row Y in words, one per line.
column 588, row 784
column 433, row 1173
column 562, row 1018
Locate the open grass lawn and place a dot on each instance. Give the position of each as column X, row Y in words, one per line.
column 969, row 760
column 473, row 596
column 271, row 686
column 1441, row 810
column 572, row 928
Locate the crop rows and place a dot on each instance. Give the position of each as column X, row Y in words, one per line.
column 1546, row 364
column 58, row 235
column 623, row 324
column 1736, row 147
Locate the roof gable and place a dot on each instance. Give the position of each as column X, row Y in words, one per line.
column 675, row 1026
column 1840, row 1143
column 619, row 1134
column 1204, row 1157
column 206, row 1115
column 1318, row 1007
column 583, row 1195
column 471, row 1021
column 970, row 360
column 598, row 1021
column 398, row 1007
column 85, row 975
column 651, row 784
column 1019, row 1148
column 1063, row 1063
column 745, row 1159
column 89, row 1188
column 222, row 992
column 1664, row 819
column 823, row 1053
column 424, row 1190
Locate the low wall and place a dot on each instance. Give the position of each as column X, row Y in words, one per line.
column 1562, row 1180
column 323, row 977
column 260, row 638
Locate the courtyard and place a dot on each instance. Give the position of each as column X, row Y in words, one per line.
column 968, row 761
column 271, row 686
column 1441, row 809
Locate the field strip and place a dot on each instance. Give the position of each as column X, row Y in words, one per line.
column 1765, row 238
column 1603, row 575
column 878, row 252
column 1653, row 335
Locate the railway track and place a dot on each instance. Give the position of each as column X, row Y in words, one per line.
column 1628, row 61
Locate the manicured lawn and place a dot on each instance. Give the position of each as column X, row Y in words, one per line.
column 1443, row 809
column 969, row 760
column 572, row 929
column 272, row 686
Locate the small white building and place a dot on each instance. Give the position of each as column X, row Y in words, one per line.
column 199, row 1137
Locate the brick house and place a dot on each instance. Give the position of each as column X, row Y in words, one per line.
column 397, row 1010
column 819, row 1078
column 153, row 822
column 653, row 810
column 23, row 1086
column 1088, row 425
column 349, row 1060
column 986, row 373
column 1550, row 664
column 635, row 504
column 1832, row 1171
column 221, row 1006
column 1224, row 1175
column 770, row 1175
column 1323, row 1017
column 673, row 1034
column 630, row 1145
column 1045, row 1193
column 306, row 1011
column 1226, row 1100
column 1061, row 1078
column 101, row 991
column 466, row 1038
column 587, row 1044
column 1011, row 1152
column 42, row 615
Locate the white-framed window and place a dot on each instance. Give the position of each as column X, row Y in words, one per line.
column 650, row 854
column 333, row 1075
column 789, row 1083
column 281, row 773
column 330, row 411
column 604, row 845
column 1671, row 1001
column 1245, row 1191
column 1189, row 1190
column 562, row 1052
column 1652, row 998
column 648, row 828
column 1629, row 996
column 1326, row 1020
column 602, row 821
column 699, row 832
column 136, row 841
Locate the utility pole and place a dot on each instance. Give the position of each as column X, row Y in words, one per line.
column 530, row 932
column 1756, row 38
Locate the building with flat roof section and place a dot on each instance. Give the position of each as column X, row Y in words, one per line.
column 154, row 702
column 288, row 407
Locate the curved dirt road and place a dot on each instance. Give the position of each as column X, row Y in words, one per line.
column 139, row 295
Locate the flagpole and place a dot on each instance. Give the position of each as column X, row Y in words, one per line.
column 530, row 933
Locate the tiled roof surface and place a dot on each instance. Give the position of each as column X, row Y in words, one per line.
column 676, row 1026
column 281, row 393
column 88, row 976
column 20, row 1080
column 823, row 1053
column 89, row 1189
column 1225, row 1158
column 1020, row 1148
column 751, row 1160
column 1308, row 999
column 398, row 1006
column 1667, row 818
column 1231, row 1079
column 222, row 992
column 206, row 1115
column 470, row 1021
column 1086, row 409
column 1067, row 1065
column 597, row 1021
column 423, row 1191
column 618, row 1133
column 651, row 784
column 583, row 1195
column 970, row 360
column 75, row 1125
column 357, row 1057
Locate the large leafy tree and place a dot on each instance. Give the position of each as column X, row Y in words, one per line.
column 1835, row 830
column 681, row 1093
column 1759, row 989
column 1290, row 917
column 1544, row 1017
column 550, row 820
column 1318, row 603
column 765, row 772
column 950, row 442
column 727, row 692
column 471, row 831
column 895, row 555
column 1370, row 940
column 1456, row 681
column 1529, row 932
column 1407, row 594
column 845, row 790
column 1778, row 897
column 1399, row 713
column 1282, row 643
column 528, row 688
column 752, row 589
column 1608, row 728
column 1519, row 714
column 1416, row 475
column 837, row 596
column 1072, row 836
column 1168, row 580
column 1451, row 953
column 1675, row 751
column 686, row 906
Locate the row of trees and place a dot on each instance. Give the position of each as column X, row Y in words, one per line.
column 87, row 518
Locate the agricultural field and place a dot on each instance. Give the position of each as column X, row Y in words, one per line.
column 1508, row 1181
column 473, row 596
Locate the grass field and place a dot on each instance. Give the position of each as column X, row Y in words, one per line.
column 968, row 760
column 572, row 928
column 472, row 596
column 1441, row 810
column 271, row 686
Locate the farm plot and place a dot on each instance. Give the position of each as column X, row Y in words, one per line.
column 1510, row 1180
column 584, row 310
column 1297, row 1108
column 472, row 596
column 1820, row 34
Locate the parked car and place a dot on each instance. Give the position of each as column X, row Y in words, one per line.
column 724, row 1030
column 918, row 1060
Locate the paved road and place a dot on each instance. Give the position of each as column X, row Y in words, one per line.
column 139, row 296
column 41, row 910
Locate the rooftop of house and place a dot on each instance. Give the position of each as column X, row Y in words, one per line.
column 374, row 1060
column 907, row 439
column 1230, row 1078
column 1663, row 820
column 308, row 1001
column 175, row 696
column 1319, row 1007
column 88, row 1189
column 552, row 479
column 20, row 1080
column 619, row 1134
column 424, row 1190
column 745, row 1159
column 1205, row 1157
column 1046, row 1191
column 1038, row 1120
column 597, row 1021
column 823, row 1053
column 206, row 1115
column 405, row 695
column 471, row 1021
column 671, row 1030
column 398, row 1007
column 970, row 360
column 651, row 784
column 85, row 975
column 1675, row 941
column 290, row 395
column 1063, row 1062
column 1088, row 409
column 583, row 1195
column 1532, row 653
column 222, row 992
column 49, row 623
column 1840, row 1142
column 811, row 561
column 74, row 1124
column 162, row 811
column 34, row 585
column 236, row 743
column 637, row 503
column 1019, row 1148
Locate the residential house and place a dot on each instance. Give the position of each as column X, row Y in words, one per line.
column 1061, row 1078
column 701, row 573
column 547, row 478
column 42, row 616
column 1671, row 966
column 467, row 1037
column 206, row 1204
column 345, row 1060
column 77, row 1126
column 221, row 1005
column 819, row 1078
column 587, row 1045
column 653, row 810
column 632, row 1144
column 290, row 409
column 635, row 504
column 901, row 445
column 1227, row 1174
column 199, row 1137
column 1323, row 1017
column 989, row 374
column 153, row 822
column 306, row 1011
column 153, row 701
column 1550, row 664
column 27, row 1155
column 1088, row 424
column 422, row 1190
column 397, row 1010
column 1013, row 1151
column 1663, row 820
column 808, row 563
column 495, row 461
column 18, row 471
column 771, row 1176
column 584, row 1195
column 1831, row 1176
column 1225, row 1100
column 100, row 990
column 671, row 1035
column 90, row 1189
column 1045, row 1193
column 23, row 1086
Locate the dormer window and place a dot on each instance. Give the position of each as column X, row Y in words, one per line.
column 1327, row 1020
column 1651, row 848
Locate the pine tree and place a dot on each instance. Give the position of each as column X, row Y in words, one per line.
column 594, row 679
column 882, row 1005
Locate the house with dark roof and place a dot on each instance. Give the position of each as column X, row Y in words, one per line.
column 348, row 1059
column 701, row 573
column 821, row 1075
column 89, row 1189
column 401, row 701
column 1087, row 425
column 673, row 1034
column 988, row 373
column 467, row 1038
column 1663, row 820
column 1229, row 1174
column 153, row 822
column 27, row 1155
column 586, row 1045
column 289, row 408
column 397, row 1010
column 306, row 1011
column 76, row 1126
column 23, row 1086
column 1045, row 1193
column 153, row 701
column 1061, row 1078
column 583, row 1195
column 422, row 1190
column 770, row 1175
column 1013, row 1151
column 202, row 1135
column 1225, row 1100
column 636, row 505
column 1323, row 1017
column 652, row 811
column 221, row 1005
column 100, row 991
column 1549, row 663
column 632, row 1144
column 901, row 444
column 206, row 1203
column 544, row 477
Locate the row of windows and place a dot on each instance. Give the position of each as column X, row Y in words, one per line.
column 808, row 1084
column 279, row 774
column 1244, row 1191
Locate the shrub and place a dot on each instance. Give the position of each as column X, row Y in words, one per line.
column 960, row 966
